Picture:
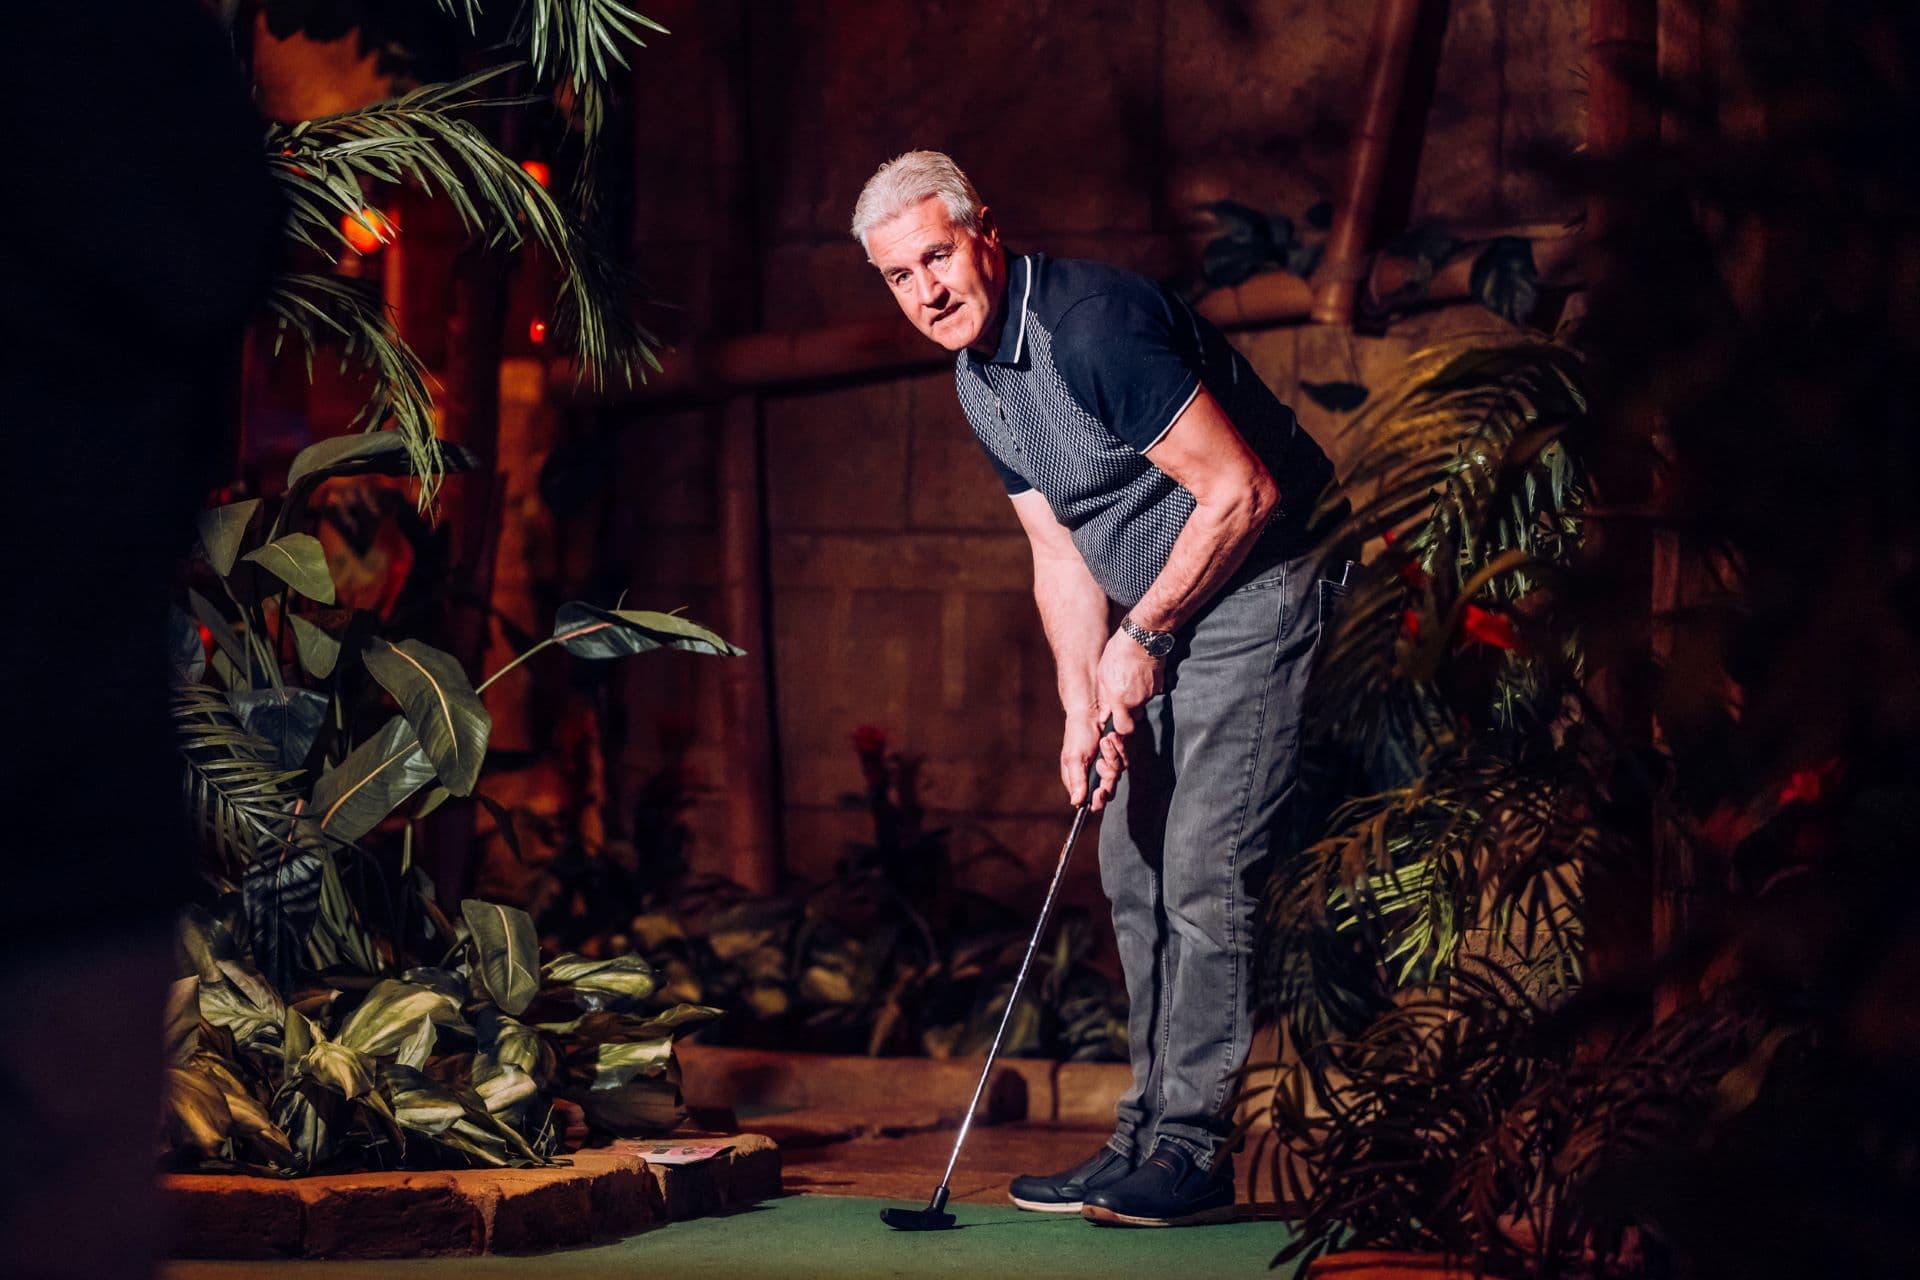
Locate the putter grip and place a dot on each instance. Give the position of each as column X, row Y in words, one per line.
column 1093, row 765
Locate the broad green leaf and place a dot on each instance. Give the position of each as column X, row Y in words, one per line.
column 300, row 561
column 513, row 1043
column 597, row 984
column 509, row 952
column 182, row 1020
column 439, row 702
column 223, row 633
column 615, row 1065
column 504, row 1088
column 198, row 1110
column 319, row 651
column 382, row 453
column 288, row 718
column 221, row 532
column 352, row 797
column 417, row 1047
column 588, row 631
column 249, row 1119
column 419, row 1104
column 242, row 1003
column 347, row 1072
column 391, row 1013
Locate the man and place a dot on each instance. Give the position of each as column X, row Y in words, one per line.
column 1149, row 467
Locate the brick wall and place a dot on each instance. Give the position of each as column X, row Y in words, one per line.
column 899, row 578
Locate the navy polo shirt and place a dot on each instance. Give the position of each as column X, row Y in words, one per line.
column 1094, row 365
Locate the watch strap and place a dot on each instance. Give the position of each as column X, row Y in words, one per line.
column 1158, row 644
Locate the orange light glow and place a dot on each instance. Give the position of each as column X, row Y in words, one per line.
column 538, row 170
column 370, row 232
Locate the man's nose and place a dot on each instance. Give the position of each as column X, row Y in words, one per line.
column 931, row 291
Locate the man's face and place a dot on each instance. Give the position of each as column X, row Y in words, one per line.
column 949, row 280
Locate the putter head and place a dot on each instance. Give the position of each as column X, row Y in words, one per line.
column 932, row 1218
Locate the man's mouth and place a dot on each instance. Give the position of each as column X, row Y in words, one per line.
column 947, row 313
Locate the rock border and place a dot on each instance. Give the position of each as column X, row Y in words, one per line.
column 602, row 1194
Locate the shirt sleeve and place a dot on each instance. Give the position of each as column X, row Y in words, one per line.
column 1119, row 359
column 1016, row 484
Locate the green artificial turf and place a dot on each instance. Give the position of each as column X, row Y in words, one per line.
column 835, row 1236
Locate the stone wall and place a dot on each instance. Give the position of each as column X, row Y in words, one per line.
column 899, row 577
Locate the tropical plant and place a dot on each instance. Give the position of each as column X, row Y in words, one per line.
column 326, row 167
column 332, row 1013
column 1423, row 951
column 888, row 955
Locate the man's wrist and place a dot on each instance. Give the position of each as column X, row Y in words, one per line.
column 1158, row 644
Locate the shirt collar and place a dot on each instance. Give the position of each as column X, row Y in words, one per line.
column 1013, row 331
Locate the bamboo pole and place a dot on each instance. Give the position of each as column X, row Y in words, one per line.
column 1390, row 50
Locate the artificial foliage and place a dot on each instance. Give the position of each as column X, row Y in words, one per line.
column 890, row 954
column 330, row 1015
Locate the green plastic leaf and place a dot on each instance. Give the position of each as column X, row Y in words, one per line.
column 318, row 649
column 615, row 982
column 300, row 561
column 197, row 1110
column 287, row 718
column 221, row 532
column 587, row 631
column 439, row 702
column 352, row 797
column 615, row 1065
column 380, row 453
column 393, row 1012
column 509, row 952
column 216, row 622
column 185, row 654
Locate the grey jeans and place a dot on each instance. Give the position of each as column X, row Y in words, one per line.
column 1188, row 838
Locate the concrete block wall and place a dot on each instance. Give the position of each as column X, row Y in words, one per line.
column 899, row 579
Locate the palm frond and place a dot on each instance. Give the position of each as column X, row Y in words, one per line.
column 1466, row 462
column 423, row 136
column 581, row 43
column 332, row 313
column 240, row 799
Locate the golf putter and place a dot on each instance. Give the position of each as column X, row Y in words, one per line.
column 935, row 1216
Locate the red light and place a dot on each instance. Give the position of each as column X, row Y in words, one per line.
column 537, row 332
column 538, row 171
column 370, row 232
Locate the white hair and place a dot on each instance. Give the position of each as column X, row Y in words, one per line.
column 905, row 181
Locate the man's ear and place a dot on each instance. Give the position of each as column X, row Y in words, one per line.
column 989, row 228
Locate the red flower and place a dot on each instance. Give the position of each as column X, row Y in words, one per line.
column 1413, row 575
column 1808, row 785
column 869, row 740
column 1491, row 628
column 1410, row 624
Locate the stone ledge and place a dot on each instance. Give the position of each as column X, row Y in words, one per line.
column 602, row 1193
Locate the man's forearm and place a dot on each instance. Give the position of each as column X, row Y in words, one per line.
column 1212, row 544
column 1073, row 610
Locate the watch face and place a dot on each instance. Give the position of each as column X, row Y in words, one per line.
column 1159, row 644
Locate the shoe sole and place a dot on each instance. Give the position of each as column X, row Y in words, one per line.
column 1100, row 1217
column 1037, row 1206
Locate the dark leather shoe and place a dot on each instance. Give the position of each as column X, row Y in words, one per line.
column 1168, row 1190
column 1065, row 1192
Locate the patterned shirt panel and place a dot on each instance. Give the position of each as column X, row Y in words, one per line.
column 1138, row 356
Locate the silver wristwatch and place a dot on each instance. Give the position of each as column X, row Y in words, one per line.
column 1158, row 644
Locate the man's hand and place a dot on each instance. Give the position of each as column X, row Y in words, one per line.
column 1081, row 740
column 1127, row 677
